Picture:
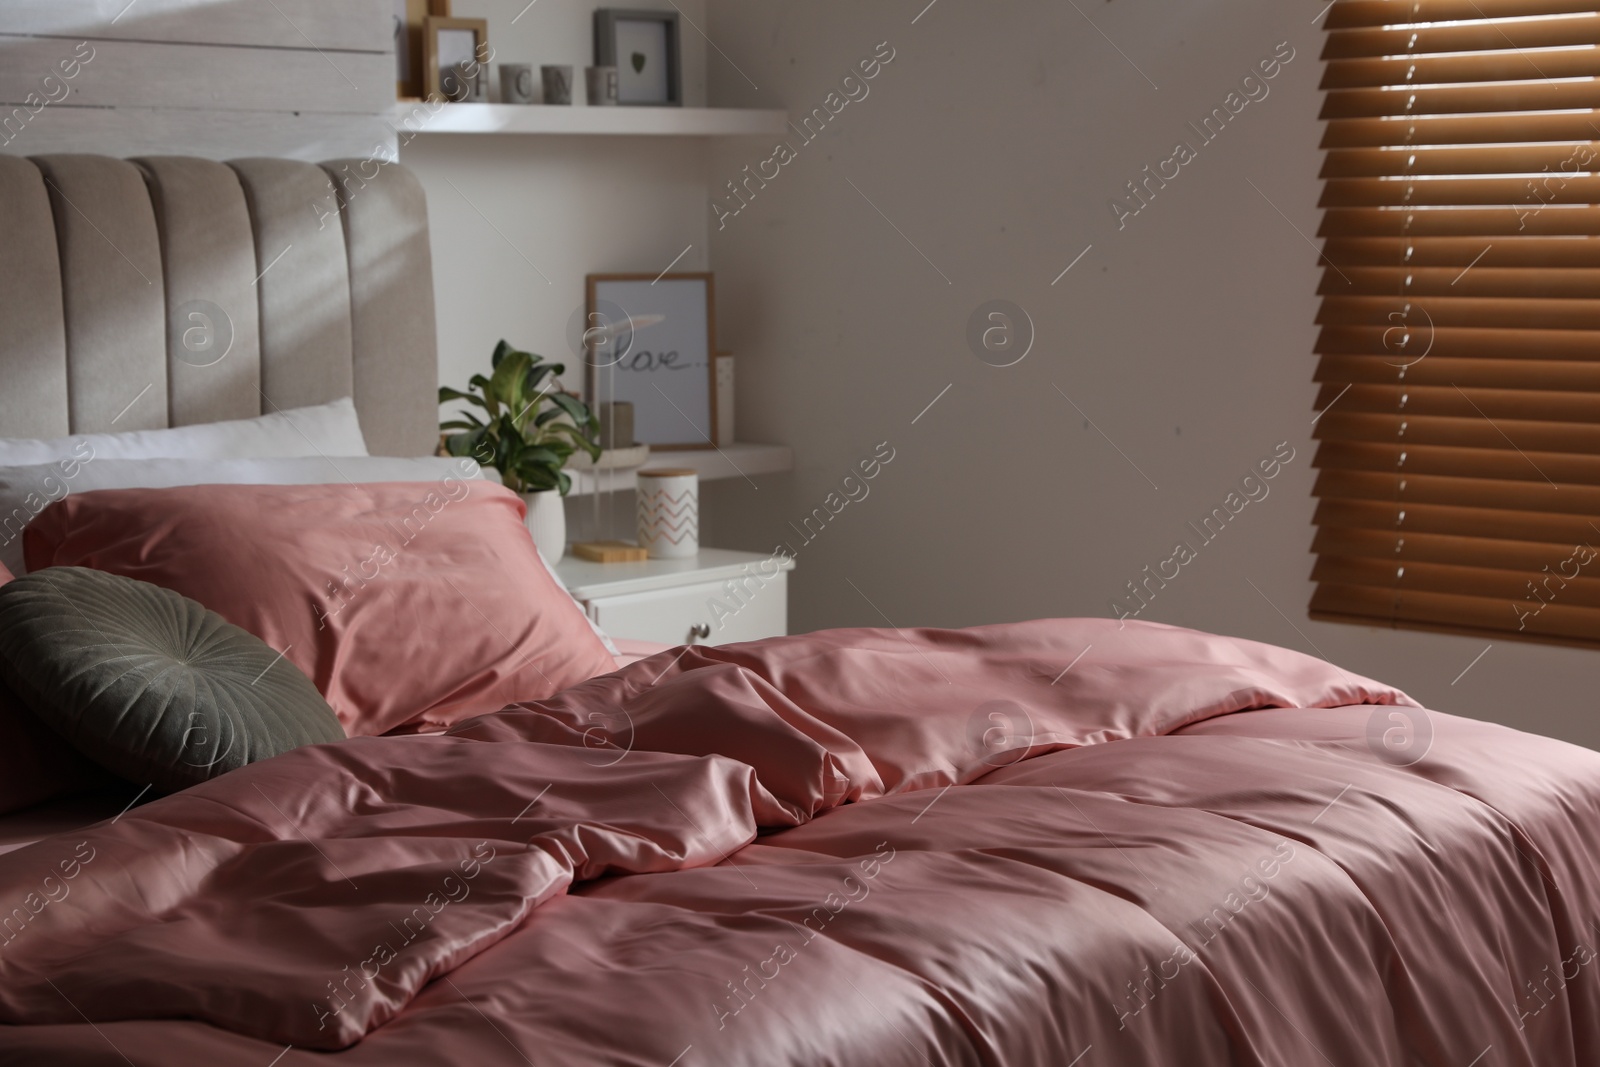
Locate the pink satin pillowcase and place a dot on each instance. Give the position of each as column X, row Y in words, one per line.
column 411, row 605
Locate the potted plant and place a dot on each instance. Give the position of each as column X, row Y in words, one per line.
column 528, row 430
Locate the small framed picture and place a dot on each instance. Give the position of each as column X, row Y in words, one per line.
column 447, row 43
column 409, row 16
column 650, row 342
column 644, row 47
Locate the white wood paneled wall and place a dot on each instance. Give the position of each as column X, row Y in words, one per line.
column 303, row 79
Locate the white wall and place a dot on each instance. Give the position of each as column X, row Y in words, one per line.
column 994, row 142
column 517, row 222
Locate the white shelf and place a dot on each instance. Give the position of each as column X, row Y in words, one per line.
column 615, row 121
column 730, row 461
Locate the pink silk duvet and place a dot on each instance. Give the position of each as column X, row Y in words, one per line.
column 1049, row 843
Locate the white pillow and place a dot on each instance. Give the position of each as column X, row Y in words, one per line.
column 324, row 430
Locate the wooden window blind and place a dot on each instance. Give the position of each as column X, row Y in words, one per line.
column 1458, row 457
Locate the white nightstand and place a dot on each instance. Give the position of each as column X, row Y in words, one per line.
column 713, row 598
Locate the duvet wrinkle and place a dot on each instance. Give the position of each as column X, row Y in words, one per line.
column 1351, row 885
column 1359, row 881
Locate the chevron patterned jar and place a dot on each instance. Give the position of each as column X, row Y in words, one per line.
column 669, row 512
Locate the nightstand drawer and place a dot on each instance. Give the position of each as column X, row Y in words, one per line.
column 707, row 613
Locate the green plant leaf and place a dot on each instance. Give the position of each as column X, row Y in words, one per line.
column 577, row 437
column 447, row 394
column 500, row 351
column 537, row 373
column 464, row 444
column 540, row 456
column 576, row 409
column 480, row 383
column 461, row 424
column 506, row 384
column 568, row 432
column 506, row 428
column 538, row 479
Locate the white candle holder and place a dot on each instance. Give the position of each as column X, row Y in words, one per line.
column 669, row 512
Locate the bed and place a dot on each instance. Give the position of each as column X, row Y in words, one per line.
column 1064, row 842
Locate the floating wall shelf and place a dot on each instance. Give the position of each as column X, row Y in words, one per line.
column 730, row 461
column 614, row 121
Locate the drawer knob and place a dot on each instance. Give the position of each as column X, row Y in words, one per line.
column 699, row 632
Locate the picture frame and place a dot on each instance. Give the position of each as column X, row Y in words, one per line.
column 409, row 16
column 646, row 48
column 665, row 365
column 447, row 41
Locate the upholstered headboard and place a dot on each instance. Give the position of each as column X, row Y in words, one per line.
column 167, row 291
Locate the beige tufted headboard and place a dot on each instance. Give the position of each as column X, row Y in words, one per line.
column 123, row 282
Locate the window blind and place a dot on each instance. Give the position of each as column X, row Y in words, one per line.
column 1458, row 457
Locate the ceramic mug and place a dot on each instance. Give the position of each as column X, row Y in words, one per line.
column 459, row 83
column 557, row 84
column 669, row 512
column 465, row 82
column 602, row 86
column 516, row 83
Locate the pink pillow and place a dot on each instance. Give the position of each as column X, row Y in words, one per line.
column 409, row 604
column 5, row 575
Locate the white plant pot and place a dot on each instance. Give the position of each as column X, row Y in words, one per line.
column 547, row 522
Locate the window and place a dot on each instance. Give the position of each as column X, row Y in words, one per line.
column 1458, row 460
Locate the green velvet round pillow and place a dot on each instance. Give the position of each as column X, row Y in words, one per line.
column 149, row 684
